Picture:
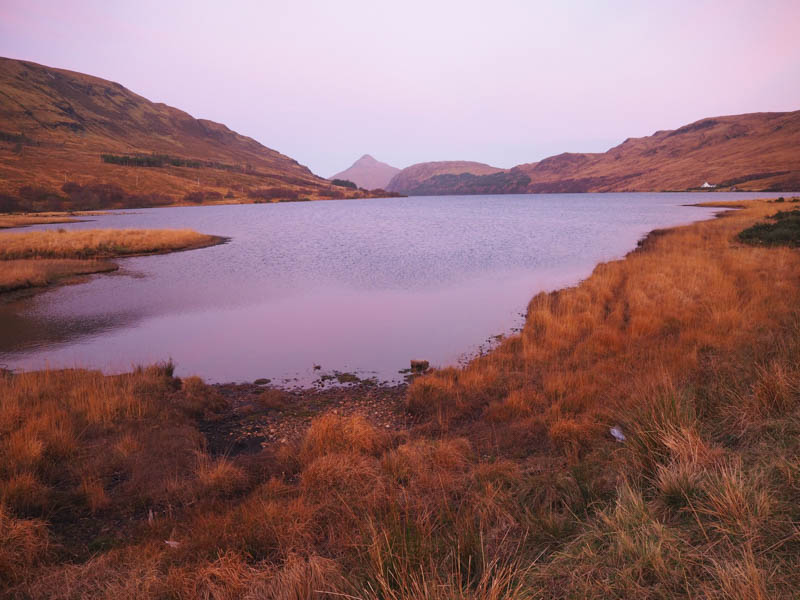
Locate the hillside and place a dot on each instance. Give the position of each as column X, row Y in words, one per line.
column 757, row 151
column 58, row 126
column 427, row 178
column 368, row 173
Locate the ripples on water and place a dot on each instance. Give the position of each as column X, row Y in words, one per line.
column 355, row 285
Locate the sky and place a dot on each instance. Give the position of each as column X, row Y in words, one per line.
column 502, row 82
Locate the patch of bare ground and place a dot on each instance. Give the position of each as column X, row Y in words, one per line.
column 260, row 416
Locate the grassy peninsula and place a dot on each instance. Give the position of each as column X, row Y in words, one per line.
column 38, row 258
column 507, row 484
column 8, row 221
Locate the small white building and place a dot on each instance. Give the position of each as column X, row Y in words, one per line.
column 708, row 185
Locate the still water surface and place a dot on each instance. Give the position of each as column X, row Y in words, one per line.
column 355, row 285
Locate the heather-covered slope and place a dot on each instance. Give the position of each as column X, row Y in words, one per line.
column 368, row 173
column 56, row 125
column 758, row 151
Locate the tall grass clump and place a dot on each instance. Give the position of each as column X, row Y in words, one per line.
column 98, row 243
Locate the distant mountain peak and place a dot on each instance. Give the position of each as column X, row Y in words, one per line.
column 368, row 173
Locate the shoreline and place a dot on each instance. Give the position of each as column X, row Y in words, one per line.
column 287, row 382
column 326, row 383
column 27, row 275
column 686, row 347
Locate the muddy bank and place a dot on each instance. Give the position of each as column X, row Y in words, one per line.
column 260, row 416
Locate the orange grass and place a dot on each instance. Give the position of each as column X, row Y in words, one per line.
column 99, row 243
column 9, row 221
column 684, row 298
column 25, row 273
column 509, row 487
column 39, row 258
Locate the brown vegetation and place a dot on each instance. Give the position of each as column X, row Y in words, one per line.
column 11, row 221
column 38, row 258
column 20, row 274
column 510, row 486
column 70, row 141
column 99, row 243
column 756, row 151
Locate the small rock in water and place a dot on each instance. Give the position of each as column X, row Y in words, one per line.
column 262, row 381
column 419, row 365
column 616, row 431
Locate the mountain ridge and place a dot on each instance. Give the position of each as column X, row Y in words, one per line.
column 752, row 151
column 415, row 176
column 59, row 126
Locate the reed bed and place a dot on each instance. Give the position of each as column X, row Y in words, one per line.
column 40, row 258
column 19, row 274
column 511, row 485
column 8, row 221
column 98, row 243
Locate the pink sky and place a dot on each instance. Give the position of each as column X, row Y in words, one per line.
column 502, row 82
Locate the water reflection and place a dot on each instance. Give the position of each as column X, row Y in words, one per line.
column 352, row 285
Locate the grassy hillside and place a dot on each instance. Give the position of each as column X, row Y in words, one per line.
column 746, row 152
column 118, row 148
column 509, row 485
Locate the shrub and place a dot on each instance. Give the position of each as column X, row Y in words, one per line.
column 97, row 196
column 218, row 477
column 273, row 193
column 344, row 183
column 332, row 434
column 22, row 544
column 784, row 231
column 9, row 204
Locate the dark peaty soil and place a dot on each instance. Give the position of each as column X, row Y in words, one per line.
column 261, row 416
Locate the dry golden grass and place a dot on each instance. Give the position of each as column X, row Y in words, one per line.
column 331, row 434
column 509, row 487
column 99, row 243
column 39, row 258
column 587, row 350
column 25, row 273
column 22, row 543
column 9, row 221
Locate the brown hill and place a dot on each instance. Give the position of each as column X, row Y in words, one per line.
column 758, row 151
column 369, row 173
column 58, row 126
column 424, row 179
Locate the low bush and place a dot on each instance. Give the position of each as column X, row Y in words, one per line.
column 784, row 231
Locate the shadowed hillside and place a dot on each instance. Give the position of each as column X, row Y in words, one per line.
column 369, row 173
column 755, row 151
column 432, row 178
column 59, row 126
